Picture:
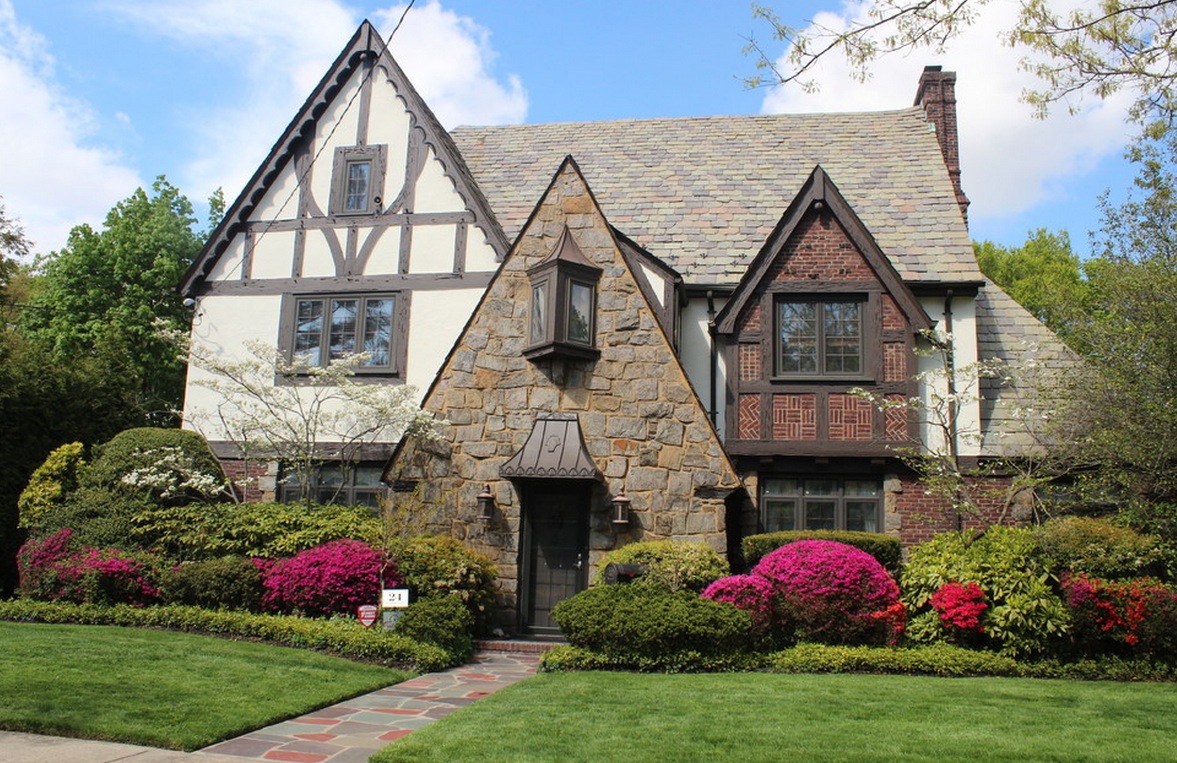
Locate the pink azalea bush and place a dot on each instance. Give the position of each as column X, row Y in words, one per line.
column 331, row 579
column 51, row 569
column 833, row 593
column 750, row 593
column 960, row 607
column 1133, row 616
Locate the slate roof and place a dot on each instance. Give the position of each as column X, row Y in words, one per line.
column 703, row 194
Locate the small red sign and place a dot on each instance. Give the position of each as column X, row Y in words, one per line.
column 367, row 614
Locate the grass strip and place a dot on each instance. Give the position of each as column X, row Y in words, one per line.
column 163, row 689
column 640, row 718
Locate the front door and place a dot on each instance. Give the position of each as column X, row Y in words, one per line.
column 555, row 549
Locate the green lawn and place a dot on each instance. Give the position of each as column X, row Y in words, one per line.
column 160, row 688
column 580, row 717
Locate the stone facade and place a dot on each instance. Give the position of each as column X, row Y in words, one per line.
column 642, row 424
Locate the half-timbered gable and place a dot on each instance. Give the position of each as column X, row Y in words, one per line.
column 361, row 232
column 820, row 313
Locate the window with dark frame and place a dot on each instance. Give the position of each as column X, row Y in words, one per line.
column 355, row 484
column 357, row 180
column 821, row 504
column 819, row 338
column 329, row 328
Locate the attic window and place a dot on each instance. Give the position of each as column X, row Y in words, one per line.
column 563, row 304
column 357, row 180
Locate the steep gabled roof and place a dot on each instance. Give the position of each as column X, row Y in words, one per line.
column 704, row 194
column 365, row 44
column 819, row 189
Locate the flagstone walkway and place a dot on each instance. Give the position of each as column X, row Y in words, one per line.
column 352, row 731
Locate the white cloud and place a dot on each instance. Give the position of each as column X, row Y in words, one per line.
column 49, row 177
column 1009, row 160
column 282, row 50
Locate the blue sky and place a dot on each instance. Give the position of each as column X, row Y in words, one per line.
column 103, row 95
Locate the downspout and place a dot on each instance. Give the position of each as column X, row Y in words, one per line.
column 712, row 411
column 950, row 369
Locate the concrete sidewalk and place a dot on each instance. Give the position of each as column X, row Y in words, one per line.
column 349, row 732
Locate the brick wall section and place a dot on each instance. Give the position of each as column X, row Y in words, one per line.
column 820, row 250
column 750, row 417
column 751, row 367
column 794, row 417
column 247, row 478
column 850, row 418
column 894, row 362
column 893, row 318
column 920, row 516
column 642, row 423
column 895, row 420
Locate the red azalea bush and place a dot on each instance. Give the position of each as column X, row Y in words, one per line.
column 330, row 579
column 960, row 606
column 1139, row 615
column 50, row 569
column 751, row 593
column 833, row 593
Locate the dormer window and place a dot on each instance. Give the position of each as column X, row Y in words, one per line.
column 563, row 304
column 357, row 180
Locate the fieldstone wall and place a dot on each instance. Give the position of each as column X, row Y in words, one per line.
column 642, row 423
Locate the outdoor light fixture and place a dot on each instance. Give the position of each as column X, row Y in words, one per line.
column 486, row 504
column 621, row 508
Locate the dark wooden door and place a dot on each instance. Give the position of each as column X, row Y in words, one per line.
column 555, row 551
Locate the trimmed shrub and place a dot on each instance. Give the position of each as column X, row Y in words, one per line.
column 143, row 449
column 569, row 658
column 49, row 485
column 650, row 628
column 832, row 593
column 345, row 638
column 671, row 564
column 885, row 548
column 232, row 582
column 1099, row 547
column 1025, row 616
column 54, row 569
column 438, row 566
column 208, row 531
column 933, row 660
column 1129, row 617
column 443, row 621
column 750, row 593
column 331, row 579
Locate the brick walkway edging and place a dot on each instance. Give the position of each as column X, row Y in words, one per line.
column 352, row 731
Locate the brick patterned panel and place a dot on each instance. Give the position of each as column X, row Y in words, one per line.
column 894, row 362
column 850, row 418
column 245, row 478
column 753, row 319
column 820, row 250
column 750, row 368
column 892, row 317
column 749, row 424
column 794, row 417
column 895, row 421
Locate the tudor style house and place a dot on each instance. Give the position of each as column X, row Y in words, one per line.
column 634, row 330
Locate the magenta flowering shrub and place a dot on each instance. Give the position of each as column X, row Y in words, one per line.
column 750, row 593
column 1132, row 616
column 833, row 593
column 331, row 579
column 960, row 607
column 51, row 569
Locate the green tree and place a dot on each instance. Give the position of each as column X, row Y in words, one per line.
column 1098, row 49
column 106, row 291
column 1043, row 275
column 1127, row 396
column 13, row 245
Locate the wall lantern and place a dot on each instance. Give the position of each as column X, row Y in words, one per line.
column 486, row 505
column 621, row 508
column 562, row 312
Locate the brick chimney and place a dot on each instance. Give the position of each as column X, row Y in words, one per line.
column 937, row 95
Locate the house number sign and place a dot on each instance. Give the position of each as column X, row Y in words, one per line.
column 394, row 598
